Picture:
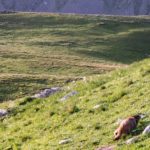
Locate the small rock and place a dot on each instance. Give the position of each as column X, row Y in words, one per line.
column 3, row 112
column 107, row 148
column 65, row 141
column 96, row 106
column 68, row 95
column 146, row 130
column 118, row 121
column 142, row 116
column 132, row 140
column 84, row 79
column 46, row 92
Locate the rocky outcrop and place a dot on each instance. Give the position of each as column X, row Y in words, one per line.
column 147, row 130
column 109, row 7
column 47, row 92
column 132, row 140
column 3, row 112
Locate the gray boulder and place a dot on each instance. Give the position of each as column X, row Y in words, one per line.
column 65, row 141
column 112, row 147
column 47, row 92
column 68, row 96
column 146, row 130
column 3, row 112
column 132, row 140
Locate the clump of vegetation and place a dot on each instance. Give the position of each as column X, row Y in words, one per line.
column 26, row 100
column 118, row 94
column 71, row 109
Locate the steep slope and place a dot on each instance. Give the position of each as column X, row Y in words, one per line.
column 111, row 7
column 42, row 123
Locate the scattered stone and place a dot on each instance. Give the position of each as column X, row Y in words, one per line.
column 3, row 112
column 96, row 106
column 112, row 147
column 68, row 88
column 68, row 95
column 118, row 121
column 132, row 140
column 65, row 141
column 146, row 130
column 47, row 92
column 84, row 79
column 142, row 116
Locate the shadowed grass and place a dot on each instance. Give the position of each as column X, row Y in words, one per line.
column 66, row 45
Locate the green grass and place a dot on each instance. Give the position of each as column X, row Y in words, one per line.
column 41, row 50
column 66, row 46
column 42, row 123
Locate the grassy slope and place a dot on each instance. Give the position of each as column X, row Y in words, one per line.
column 37, row 51
column 41, row 124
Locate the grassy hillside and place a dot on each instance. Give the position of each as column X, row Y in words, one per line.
column 42, row 123
column 38, row 51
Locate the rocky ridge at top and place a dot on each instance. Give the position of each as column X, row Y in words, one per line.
column 108, row 7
